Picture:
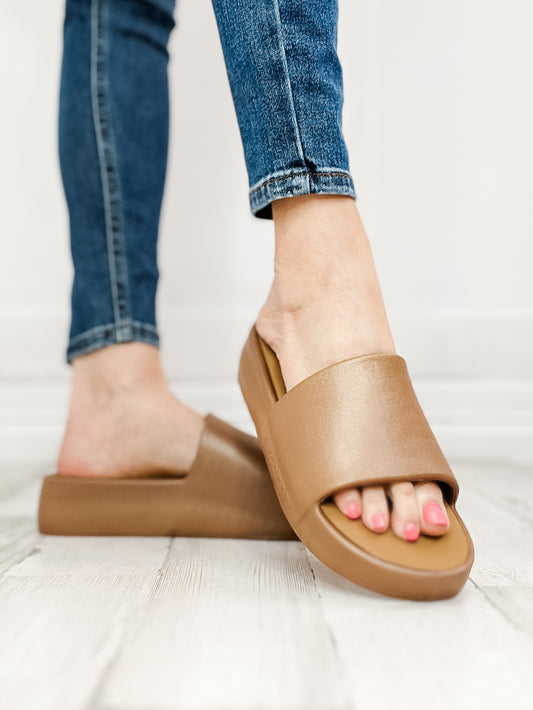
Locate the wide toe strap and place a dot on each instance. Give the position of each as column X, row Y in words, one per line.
column 357, row 422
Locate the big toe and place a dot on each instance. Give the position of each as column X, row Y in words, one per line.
column 432, row 513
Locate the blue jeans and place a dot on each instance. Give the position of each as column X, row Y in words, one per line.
column 286, row 82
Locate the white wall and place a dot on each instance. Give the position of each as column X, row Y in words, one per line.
column 438, row 116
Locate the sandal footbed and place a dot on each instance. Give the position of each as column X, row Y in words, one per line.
column 428, row 552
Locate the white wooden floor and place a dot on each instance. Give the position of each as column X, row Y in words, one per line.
column 190, row 624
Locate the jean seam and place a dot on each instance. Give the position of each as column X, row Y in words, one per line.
column 112, row 198
column 289, row 84
column 335, row 181
column 297, row 173
column 112, row 326
column 107, row 334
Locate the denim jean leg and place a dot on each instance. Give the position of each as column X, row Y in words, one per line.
column 113, row 142
column 287, row 86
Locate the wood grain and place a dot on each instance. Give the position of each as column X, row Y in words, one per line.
column 171, row 624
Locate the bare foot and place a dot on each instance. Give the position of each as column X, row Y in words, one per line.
column 123, row 419
column 325, row 305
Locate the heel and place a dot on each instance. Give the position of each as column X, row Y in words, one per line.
column 254, row 380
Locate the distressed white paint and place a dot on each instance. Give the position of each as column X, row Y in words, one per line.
column 161, row 624
column 243, row 626
column 479, row 419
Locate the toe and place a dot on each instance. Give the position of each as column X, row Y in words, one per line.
column 375, row 509
column 349, row 503
column 432, row 514
column 405, row 515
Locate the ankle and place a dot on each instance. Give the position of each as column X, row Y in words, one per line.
column 321, row 240
column 106, row 373
column 322, row 210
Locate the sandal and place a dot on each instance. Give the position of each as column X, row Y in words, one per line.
column 355, row 423
column 227, row 492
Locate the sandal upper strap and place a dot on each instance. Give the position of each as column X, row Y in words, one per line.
column 357, row 422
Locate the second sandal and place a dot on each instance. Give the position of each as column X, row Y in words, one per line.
column 227, row 492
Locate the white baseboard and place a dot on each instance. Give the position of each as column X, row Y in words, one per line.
column 478, row 420
column 472, row 373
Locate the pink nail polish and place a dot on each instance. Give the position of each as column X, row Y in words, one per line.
column 352, row 511
column 434, row 514
column 411, row 532
column 378, row 521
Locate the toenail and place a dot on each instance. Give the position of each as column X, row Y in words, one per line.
column 434, row 514
column 352, row 511
column 378, row 521
column 411, row 531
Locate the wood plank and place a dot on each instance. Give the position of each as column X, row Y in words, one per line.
column 88, row 557
column 59, row 633
column 63, row 613
column 231, row 625
column 502, row 540
column 108, row 624
column 496, row 510
column 453, row 653
column 515, row 604
column 18, row 538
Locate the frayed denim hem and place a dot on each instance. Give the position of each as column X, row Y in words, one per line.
column 103, row 335
column 333, row 181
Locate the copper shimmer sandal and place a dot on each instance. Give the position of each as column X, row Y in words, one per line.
column 227, row 492
column 355, row 423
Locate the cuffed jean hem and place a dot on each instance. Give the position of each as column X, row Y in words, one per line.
column 333, row 181
column 103, row 335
